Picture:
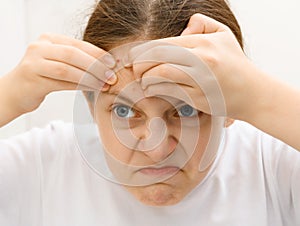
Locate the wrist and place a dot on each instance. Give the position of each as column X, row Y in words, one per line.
column 253, row 96
column 9, row 109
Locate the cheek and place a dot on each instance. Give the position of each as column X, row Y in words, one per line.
column 192, row 167
column 109, row 139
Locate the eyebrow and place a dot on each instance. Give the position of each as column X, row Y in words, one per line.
column 122, row 97
column 132, row 102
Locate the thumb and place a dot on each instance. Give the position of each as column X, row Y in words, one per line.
column 201, row 24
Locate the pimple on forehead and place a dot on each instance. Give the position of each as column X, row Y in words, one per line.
column 125, row 79
column 118, row 61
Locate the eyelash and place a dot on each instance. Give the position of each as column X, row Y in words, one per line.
column 115, row 110
column 133, row 112
column 194, row 112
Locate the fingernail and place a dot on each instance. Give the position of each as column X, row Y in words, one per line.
column 111, row 77
column 128, row 65
column 126, row 62
column 109, row 61
column 105, row 87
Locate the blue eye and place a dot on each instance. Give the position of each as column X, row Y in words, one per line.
column 123, row 111
column 187, row 111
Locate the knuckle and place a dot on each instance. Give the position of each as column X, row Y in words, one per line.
column 157, row 52
column 196, row 17
column 203, row 41
column 33, row 47
column 26, row 65
column 68, row 53
column 211, row 60
column 163, row 70
column 61, row 71
column 45, row 36
column 77, row 44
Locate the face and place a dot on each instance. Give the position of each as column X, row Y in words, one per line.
column 153, row 145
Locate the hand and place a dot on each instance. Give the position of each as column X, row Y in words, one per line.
column 216, row 47
column 250, row 94
column 55, row 63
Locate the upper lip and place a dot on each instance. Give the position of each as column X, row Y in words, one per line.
column 160, row 168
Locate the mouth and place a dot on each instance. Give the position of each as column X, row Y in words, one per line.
column 162, row 171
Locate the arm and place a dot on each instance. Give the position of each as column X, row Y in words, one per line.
column 53, row 63
column 8, row 109
column 254, row 97
column 275, row 109
column 249, row 94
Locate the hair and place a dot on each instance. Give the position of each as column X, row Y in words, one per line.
column 116, row 22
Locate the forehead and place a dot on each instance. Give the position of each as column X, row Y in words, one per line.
column 125, row 74
column 126, row 82
column 128, row 85
column 129, row 91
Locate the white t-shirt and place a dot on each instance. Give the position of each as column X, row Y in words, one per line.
column 44, row 181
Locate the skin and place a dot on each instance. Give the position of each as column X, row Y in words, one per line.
column 177, row 187
column 269, row 109
column 52, row 63
column 170, row 188
column 173, row 189
column 212, row 42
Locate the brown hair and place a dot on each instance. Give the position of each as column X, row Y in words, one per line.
column 116, row 22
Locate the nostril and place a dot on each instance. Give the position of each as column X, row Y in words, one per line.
column 164, row 150
column 157, row 132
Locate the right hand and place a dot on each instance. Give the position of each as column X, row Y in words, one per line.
column 54, row 63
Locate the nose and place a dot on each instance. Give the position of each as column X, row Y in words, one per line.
column 157, row 141
column 163, row 150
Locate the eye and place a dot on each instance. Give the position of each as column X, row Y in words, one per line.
column 187, row 111
column 123, row 111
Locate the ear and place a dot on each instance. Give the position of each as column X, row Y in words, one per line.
column 228, row 122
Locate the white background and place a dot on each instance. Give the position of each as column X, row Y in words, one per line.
column 270, row 28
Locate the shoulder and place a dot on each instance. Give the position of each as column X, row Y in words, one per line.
column 26, row 163
column 53, row 130
column 245, row 143
column 24, row 152
column 243, row 136
column 242, row 133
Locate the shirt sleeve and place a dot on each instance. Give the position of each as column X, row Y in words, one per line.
column 283, row 163
column 21, row 176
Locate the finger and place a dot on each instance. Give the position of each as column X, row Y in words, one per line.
column 198, row 24
column 57, row 85
column 158, row 55
column 186, row 94
column 87, row 47
column 51, row 85
column 153, row 53
column 168, row 72
column 201, row 24
column 168, row 90
column 139, row 49
column 77, row 58
column 201, row 78
column 64, row 72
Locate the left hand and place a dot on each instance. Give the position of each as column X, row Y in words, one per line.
column 221, row 73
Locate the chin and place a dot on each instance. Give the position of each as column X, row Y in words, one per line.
column 156, row 195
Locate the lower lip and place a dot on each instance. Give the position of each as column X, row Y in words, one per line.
column 159, row 171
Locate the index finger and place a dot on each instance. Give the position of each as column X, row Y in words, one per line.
column 201, row 24
column 87, row 47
